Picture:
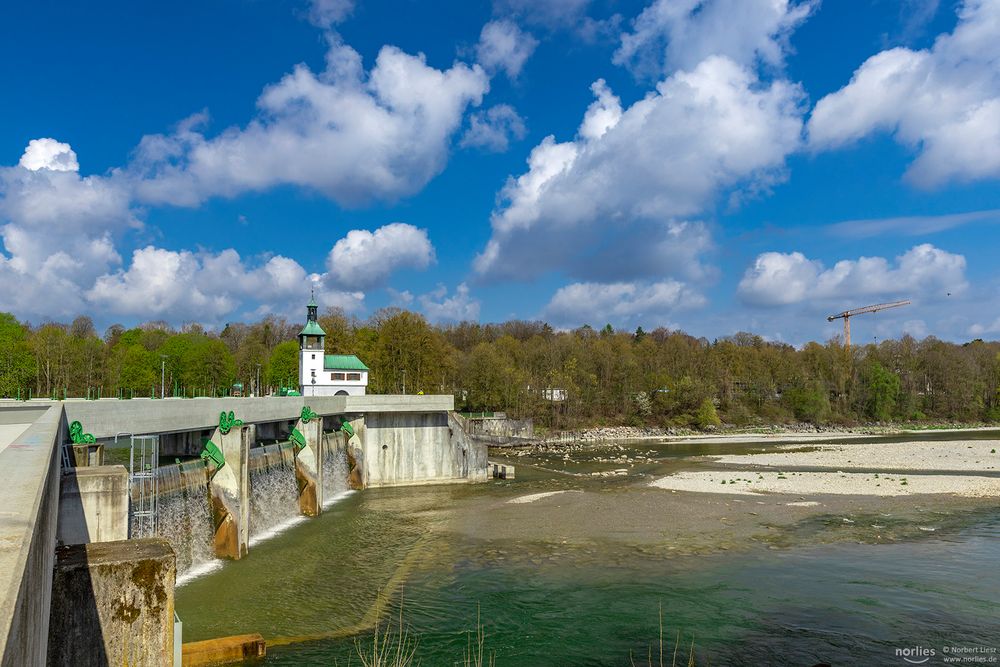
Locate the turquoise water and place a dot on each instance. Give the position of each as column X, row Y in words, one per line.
column 311, row 590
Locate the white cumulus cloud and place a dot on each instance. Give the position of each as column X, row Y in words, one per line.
column 205, row 286
column 620, row 302
column 350, row 135
column 924, row 271
column 678, row 34
column 459, row 307
column 364, row 259
column 58, row 230
column 494, row 128
column 327, row 13
column 617, row 201
column 943, row 102
column 49, row 154
column 503, row 46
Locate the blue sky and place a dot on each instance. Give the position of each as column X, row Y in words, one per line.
column 709, row 165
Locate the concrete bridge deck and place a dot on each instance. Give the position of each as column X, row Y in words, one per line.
column 108, row 417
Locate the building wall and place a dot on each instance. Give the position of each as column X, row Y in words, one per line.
column 310, row 366
column 325, row 386
column 331, row 390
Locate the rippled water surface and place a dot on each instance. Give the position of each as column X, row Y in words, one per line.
column 312, row 590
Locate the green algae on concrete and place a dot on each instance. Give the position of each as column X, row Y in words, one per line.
column 113, row 604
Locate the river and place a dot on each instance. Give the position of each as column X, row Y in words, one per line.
column 579, row 578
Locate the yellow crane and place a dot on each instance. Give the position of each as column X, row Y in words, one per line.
column 848, row 314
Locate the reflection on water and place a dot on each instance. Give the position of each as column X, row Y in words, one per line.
column 591, row 602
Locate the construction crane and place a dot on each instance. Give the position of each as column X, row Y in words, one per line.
column 848, row 314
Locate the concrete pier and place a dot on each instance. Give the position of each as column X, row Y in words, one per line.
column 229, row 490
column 309, row 465
column 113, row 604
column 93, row 505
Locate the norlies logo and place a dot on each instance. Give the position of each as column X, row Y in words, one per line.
column 916, row 655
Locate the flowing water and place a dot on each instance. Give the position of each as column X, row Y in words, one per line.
column 274, row 496
column 184, row 517
column 831, row 591
column 335, row 472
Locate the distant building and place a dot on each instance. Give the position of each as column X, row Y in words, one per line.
column 322, row 374
column 555, row 395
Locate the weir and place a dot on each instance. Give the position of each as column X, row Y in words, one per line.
column 184, row 515
column 241, row 489
column 274, row 497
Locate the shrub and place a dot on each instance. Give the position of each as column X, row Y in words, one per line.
column 706, row 416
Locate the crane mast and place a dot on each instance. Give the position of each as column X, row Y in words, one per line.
column 848, row 314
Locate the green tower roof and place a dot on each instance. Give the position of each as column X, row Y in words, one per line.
column 312, row 329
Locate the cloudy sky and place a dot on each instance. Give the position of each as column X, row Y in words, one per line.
column 709, row 165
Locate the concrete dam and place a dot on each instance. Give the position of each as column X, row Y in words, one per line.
column 91, row 549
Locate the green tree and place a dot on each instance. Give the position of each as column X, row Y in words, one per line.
column 807, row 403
column 283, row 365
column 706, row 416
column 136, row 371
column 17, row 362
column 882, row 389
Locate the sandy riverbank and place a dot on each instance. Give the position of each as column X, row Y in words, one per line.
column 829, row 483
column 972, row 455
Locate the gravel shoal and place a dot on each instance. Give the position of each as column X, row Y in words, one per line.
column 833, row 483
column 974, row 455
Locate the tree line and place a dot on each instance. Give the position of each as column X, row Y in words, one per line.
column 563, row 379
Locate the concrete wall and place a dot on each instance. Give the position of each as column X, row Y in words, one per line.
column 113, row 604
column 502, row 426
column 399, row 449
column 29, row 499
column 93, row 505
column 107, row 417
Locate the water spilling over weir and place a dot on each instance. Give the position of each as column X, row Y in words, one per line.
column 274, row 497
column 335, row 469
column 184, row 509
column 183, row 514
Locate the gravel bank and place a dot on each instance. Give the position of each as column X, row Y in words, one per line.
column 829, row 483
column 974, row 456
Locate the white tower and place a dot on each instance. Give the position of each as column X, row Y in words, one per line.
column 311, row 352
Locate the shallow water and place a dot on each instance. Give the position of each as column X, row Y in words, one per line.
column 311, row 590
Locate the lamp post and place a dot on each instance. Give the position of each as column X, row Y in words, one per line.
column 404, row 380
column 163, row 375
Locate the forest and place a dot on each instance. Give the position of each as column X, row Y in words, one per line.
column 563, row 379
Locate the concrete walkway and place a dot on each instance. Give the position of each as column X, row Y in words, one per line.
column 10, row 432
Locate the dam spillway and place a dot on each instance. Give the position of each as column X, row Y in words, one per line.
column 257, row 484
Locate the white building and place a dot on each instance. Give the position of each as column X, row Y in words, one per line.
column 323, row 374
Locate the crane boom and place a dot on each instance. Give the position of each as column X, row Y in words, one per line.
column 874, row 308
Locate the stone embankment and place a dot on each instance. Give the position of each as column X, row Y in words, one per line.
column 599, row 434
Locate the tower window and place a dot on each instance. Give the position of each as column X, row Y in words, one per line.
column 336, row 376
column 354, row 376
column 314, row 356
